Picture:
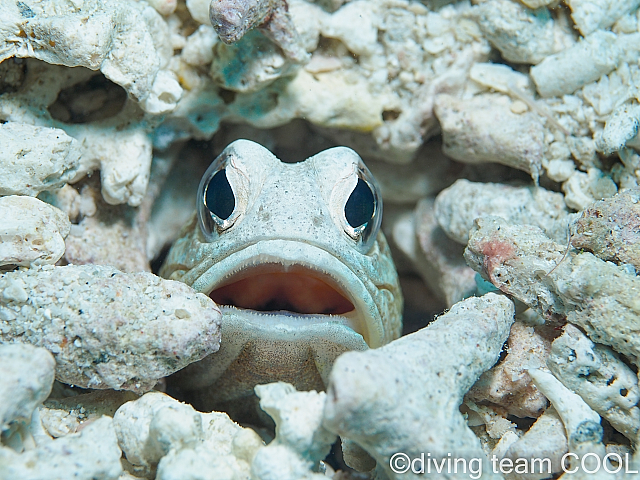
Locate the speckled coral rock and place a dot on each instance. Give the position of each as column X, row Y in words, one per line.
column 598, row 296
column 105, row 328
column 387, row 401
column 32, row 232
column 611, row 228
column 27, row 376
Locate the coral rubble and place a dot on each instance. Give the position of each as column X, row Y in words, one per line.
column 504, row 136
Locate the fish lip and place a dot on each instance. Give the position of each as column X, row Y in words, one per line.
column 367, row 322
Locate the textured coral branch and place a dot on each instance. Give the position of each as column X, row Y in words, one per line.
column 405, row 396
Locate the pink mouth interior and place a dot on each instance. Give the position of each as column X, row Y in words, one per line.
column 299, row 290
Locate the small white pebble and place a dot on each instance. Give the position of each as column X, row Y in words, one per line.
column 518, row 107
column 15, row 292
column 7, row 315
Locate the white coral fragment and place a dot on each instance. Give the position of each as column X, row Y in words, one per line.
column 123, row 39
column 157, row 431
column 27, row 376
column 301, row 439
column 153, row 425
column 585, row 62
column 108, row 329
column 32, row 232
column 437, row 259
column 582, row 424
column 163, row 95
column 484, row 129
column 613, row 90
column 522, row 35
column 164, row 7
column 119, row 145
column 334, row 100
column 199, row 10
column 226, row 452
column 405, row 396
column 499, row 77
column 67, row 36
column 125, row 163
column 582, row 189
column 621, row 127
column 358, row 16
column 198, row 49
column 545, row 443
column 591, row 15
column 458, row 206
column 34, row 159
column 60, row 416
column 91, row 454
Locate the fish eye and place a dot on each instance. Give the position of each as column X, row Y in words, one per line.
column 216, row 200
column 360, row 206
column 363, row 210
column 219, row 197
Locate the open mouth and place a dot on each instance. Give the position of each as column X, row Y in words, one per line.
column 272, row 287
column 290, row 288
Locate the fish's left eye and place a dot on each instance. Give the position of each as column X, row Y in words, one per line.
column 360, row 206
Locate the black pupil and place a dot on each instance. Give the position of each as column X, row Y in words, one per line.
column 219, row 197
column 360, row 206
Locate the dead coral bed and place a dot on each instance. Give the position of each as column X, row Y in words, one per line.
column 503, row 134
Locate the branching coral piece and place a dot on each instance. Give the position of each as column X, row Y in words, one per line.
column 405, row 396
